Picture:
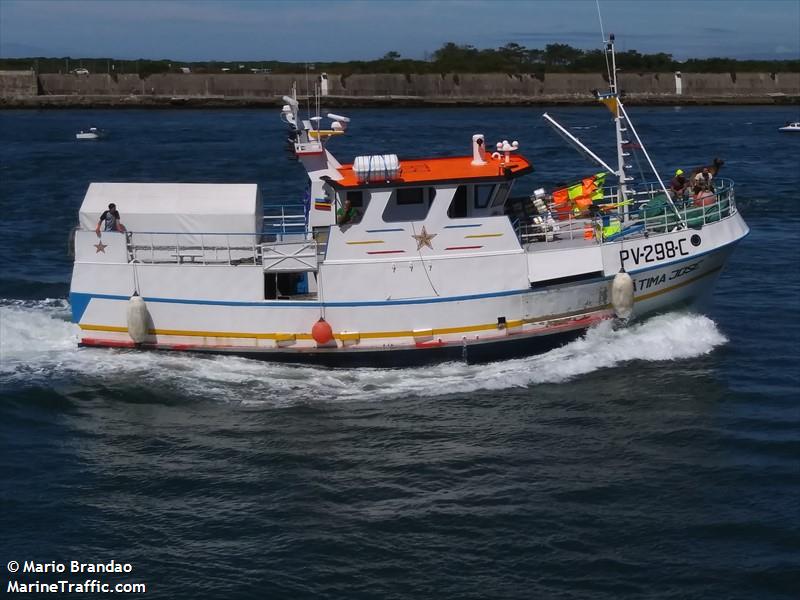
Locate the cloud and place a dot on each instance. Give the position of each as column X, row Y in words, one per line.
column 789, row 51
column 352, row 30
column 14, row 50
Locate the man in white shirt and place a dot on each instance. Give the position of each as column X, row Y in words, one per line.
column 702, row 181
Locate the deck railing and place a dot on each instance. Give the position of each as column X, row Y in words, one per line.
column 646, row 212
column 284, row 227
column 283, row 221
column 159, row 247
column 298, row 252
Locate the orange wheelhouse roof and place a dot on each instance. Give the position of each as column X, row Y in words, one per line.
column 441, row 170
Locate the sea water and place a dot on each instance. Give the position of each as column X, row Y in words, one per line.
column 660, row 460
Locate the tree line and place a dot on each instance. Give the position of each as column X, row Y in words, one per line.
column 450, row 58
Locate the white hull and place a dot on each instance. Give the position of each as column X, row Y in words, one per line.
column 229, row 315
column 394, row 262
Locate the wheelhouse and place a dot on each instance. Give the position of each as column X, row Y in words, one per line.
column 454, row 187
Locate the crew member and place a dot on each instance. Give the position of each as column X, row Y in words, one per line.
column 702, row 181
column 109, row 220
column 679, row 186
column 347, row 214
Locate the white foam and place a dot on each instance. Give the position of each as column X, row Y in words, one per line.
column 34, row 327
column 37, row 343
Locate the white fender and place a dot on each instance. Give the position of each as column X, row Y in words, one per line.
column 622, row 295
column 137, row 319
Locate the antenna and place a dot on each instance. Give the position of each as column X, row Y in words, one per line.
column 308, row 94
column 603, row 35
column 600, row 16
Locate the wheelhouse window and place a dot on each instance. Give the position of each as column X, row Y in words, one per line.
column 407, row 196
column 359, row 201
column 483, row 194
column 356, row 198
column 458, row 206
column 501, row 195
column 409, row 204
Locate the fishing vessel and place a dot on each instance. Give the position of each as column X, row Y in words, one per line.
column 397, row 261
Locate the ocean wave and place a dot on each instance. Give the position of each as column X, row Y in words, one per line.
column 38, row 345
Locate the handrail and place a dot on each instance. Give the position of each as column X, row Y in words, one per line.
column 222, row 248
column 282, row 224
column 256, row 233
column 180, row 247
column 639, row 220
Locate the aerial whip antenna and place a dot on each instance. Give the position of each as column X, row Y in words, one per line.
column 600, row 17
column 603, row 34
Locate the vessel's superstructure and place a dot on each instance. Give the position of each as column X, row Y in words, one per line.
column 394, row 261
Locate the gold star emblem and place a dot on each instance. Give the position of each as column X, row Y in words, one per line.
column 101, row 247
column 424, row 239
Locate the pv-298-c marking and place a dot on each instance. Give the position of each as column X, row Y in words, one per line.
column 654, row 252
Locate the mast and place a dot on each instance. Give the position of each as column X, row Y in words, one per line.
column 622, row 190
column 623, row 126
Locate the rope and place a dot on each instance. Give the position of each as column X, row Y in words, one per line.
column 422, row 260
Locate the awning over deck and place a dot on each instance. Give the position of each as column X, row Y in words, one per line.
column 176, row 207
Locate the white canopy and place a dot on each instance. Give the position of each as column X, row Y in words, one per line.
column 176, row 207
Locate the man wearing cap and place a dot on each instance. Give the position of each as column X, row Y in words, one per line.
column 679, row 186
column 109, row 220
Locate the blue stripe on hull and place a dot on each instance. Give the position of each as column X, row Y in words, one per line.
column 81, row 299
column 78, row 302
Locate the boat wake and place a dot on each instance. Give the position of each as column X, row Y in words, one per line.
column 38, row 346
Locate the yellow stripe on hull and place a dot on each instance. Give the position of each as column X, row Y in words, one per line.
column 410, row 333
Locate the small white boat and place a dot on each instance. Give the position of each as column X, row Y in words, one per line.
column 92, row 134
column 794, row 126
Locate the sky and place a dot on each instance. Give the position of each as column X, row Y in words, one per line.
column 312, row 30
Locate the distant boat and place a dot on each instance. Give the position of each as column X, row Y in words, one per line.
column 92, row 134
column 795, row 126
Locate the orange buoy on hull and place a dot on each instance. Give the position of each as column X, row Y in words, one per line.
column 322, row 332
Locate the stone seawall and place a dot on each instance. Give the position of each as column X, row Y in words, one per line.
column 23, row 88
column 18, row 84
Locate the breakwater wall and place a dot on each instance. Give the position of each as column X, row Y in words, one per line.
column 18, row 84
column 21, row 88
